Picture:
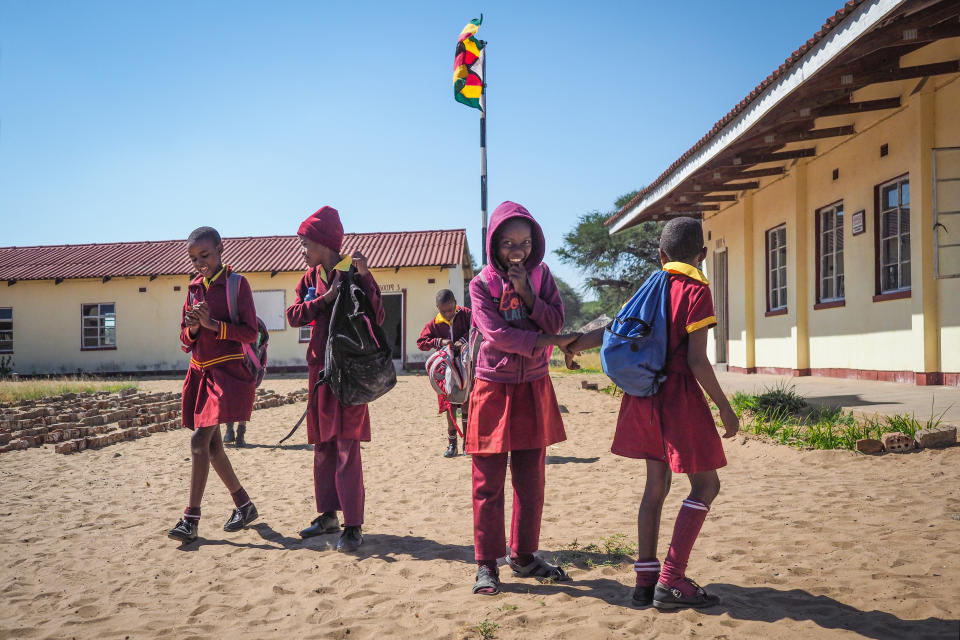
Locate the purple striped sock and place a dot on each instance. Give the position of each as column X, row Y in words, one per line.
column 648, row 572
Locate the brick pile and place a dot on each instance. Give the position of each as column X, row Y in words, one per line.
column 76, row 422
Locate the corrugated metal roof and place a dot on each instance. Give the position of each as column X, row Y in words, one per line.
column 253, row 254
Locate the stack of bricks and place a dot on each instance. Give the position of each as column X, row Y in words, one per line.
column 77, row 422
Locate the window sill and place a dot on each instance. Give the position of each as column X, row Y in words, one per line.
column 776, row 312
column 832, row 304
column 896, row 295
column 98, row 348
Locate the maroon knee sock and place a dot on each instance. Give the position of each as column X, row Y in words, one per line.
column 240, row 497
column 685, row 532
column 648, row 571
column 192, row 513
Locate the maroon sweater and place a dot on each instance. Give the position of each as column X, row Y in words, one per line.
column 436, row 331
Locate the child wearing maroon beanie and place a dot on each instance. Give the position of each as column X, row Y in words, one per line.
column 334, row 430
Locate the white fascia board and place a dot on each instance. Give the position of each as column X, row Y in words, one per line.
column 853, row 26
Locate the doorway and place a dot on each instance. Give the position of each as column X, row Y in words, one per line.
column 720, row 306
column 393, row 325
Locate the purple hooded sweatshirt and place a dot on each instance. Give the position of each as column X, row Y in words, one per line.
column 509, row 353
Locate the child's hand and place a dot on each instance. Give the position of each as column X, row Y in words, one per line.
column 570, row 362
column 203, row 314
column 731, row 425
column 518, row 277
column 565, row 340
column 330, row 295
column 191, row 320
column 360, row 262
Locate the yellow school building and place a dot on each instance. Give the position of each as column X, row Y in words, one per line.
column 830, row 198
column 114, row 308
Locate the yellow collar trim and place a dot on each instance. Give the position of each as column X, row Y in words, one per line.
column 441, row 320
column 343, row 265
column 687, row 270
column 207, row 283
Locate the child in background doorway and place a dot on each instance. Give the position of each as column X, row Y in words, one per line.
column 451, row 326
column 674, row 430
column 218, row 387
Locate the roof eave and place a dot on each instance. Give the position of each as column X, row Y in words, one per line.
column 847, row 31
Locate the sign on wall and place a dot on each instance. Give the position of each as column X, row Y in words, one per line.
column 271, row 308
column 857, row 223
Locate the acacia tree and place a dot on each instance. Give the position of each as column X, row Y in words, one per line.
column 614, row 265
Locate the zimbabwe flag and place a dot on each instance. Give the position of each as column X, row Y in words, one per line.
column 468, row 66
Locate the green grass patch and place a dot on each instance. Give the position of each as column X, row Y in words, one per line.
column 589, row 362
column 612, row 551
column 486, row 629
column 779, row 414
column 13, row 392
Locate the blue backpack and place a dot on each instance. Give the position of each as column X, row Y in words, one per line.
column 634, row 351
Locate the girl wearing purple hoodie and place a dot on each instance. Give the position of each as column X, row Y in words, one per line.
column 513, row 409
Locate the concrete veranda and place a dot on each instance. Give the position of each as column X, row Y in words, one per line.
column 862, row 396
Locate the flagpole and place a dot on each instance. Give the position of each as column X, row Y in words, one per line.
column 483, row 158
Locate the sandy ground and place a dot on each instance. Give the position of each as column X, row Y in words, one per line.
column 799, row 544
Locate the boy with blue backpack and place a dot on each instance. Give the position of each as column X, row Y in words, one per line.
column 656, row 350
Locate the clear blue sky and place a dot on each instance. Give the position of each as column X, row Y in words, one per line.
column 143, row 120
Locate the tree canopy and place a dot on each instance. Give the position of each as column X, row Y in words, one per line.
column 614, row 265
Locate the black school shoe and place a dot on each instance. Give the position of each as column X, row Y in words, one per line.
column 665, row 597
column 323, row 523
column 350, row 539
column 643, row 596
column 241, row 517
column 185, row 531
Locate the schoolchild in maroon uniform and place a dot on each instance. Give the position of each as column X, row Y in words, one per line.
column 450, row 326
column 334, row 430
column 218, row 387
column 513, row 408
column 674, row 430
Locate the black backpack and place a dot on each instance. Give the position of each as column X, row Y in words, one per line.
column 358, row 366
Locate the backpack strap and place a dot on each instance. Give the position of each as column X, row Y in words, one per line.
column 233, row 292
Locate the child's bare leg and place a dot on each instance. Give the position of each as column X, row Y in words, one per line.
column 200, row 454
column 221, row 463
column 704, row 486
column 651, row 505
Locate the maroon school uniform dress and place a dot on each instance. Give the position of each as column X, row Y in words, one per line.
column 334, row 430
column 675, row 425
column 513, row 408
column 218, row 388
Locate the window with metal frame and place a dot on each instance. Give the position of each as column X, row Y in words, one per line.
column 830, row 253
column 946, row 211
column 893, row 235
column 99, row 326
column 305, row 333
column 777, row 268
column 6, row 329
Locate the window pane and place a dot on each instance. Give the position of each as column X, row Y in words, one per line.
column 91, row 309
column 827, row 290
column 110, row 321
column 827, row 221
column 905, row 248
column 106, row 308
column 889, row 224
column 783, row 296
column 828, row 267
column 889, row 198
column 6, row 325
column 905, row 193
column 110, row 337
column 905, row 275
column 91, row 333
column 888, row 278
column 889, row 251
column 773, row 240
column 840, row 291
column 90, row 342
column 827, row 243
column 782, row 256
column 6, row 313
column 905, row 220
column 774, row 300
column 773, row 279
column 6, row 336
column 840, row 263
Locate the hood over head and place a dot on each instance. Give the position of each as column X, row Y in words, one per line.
column 505, row 211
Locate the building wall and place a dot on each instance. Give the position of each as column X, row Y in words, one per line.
column 920, row 333
column 47, row 320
